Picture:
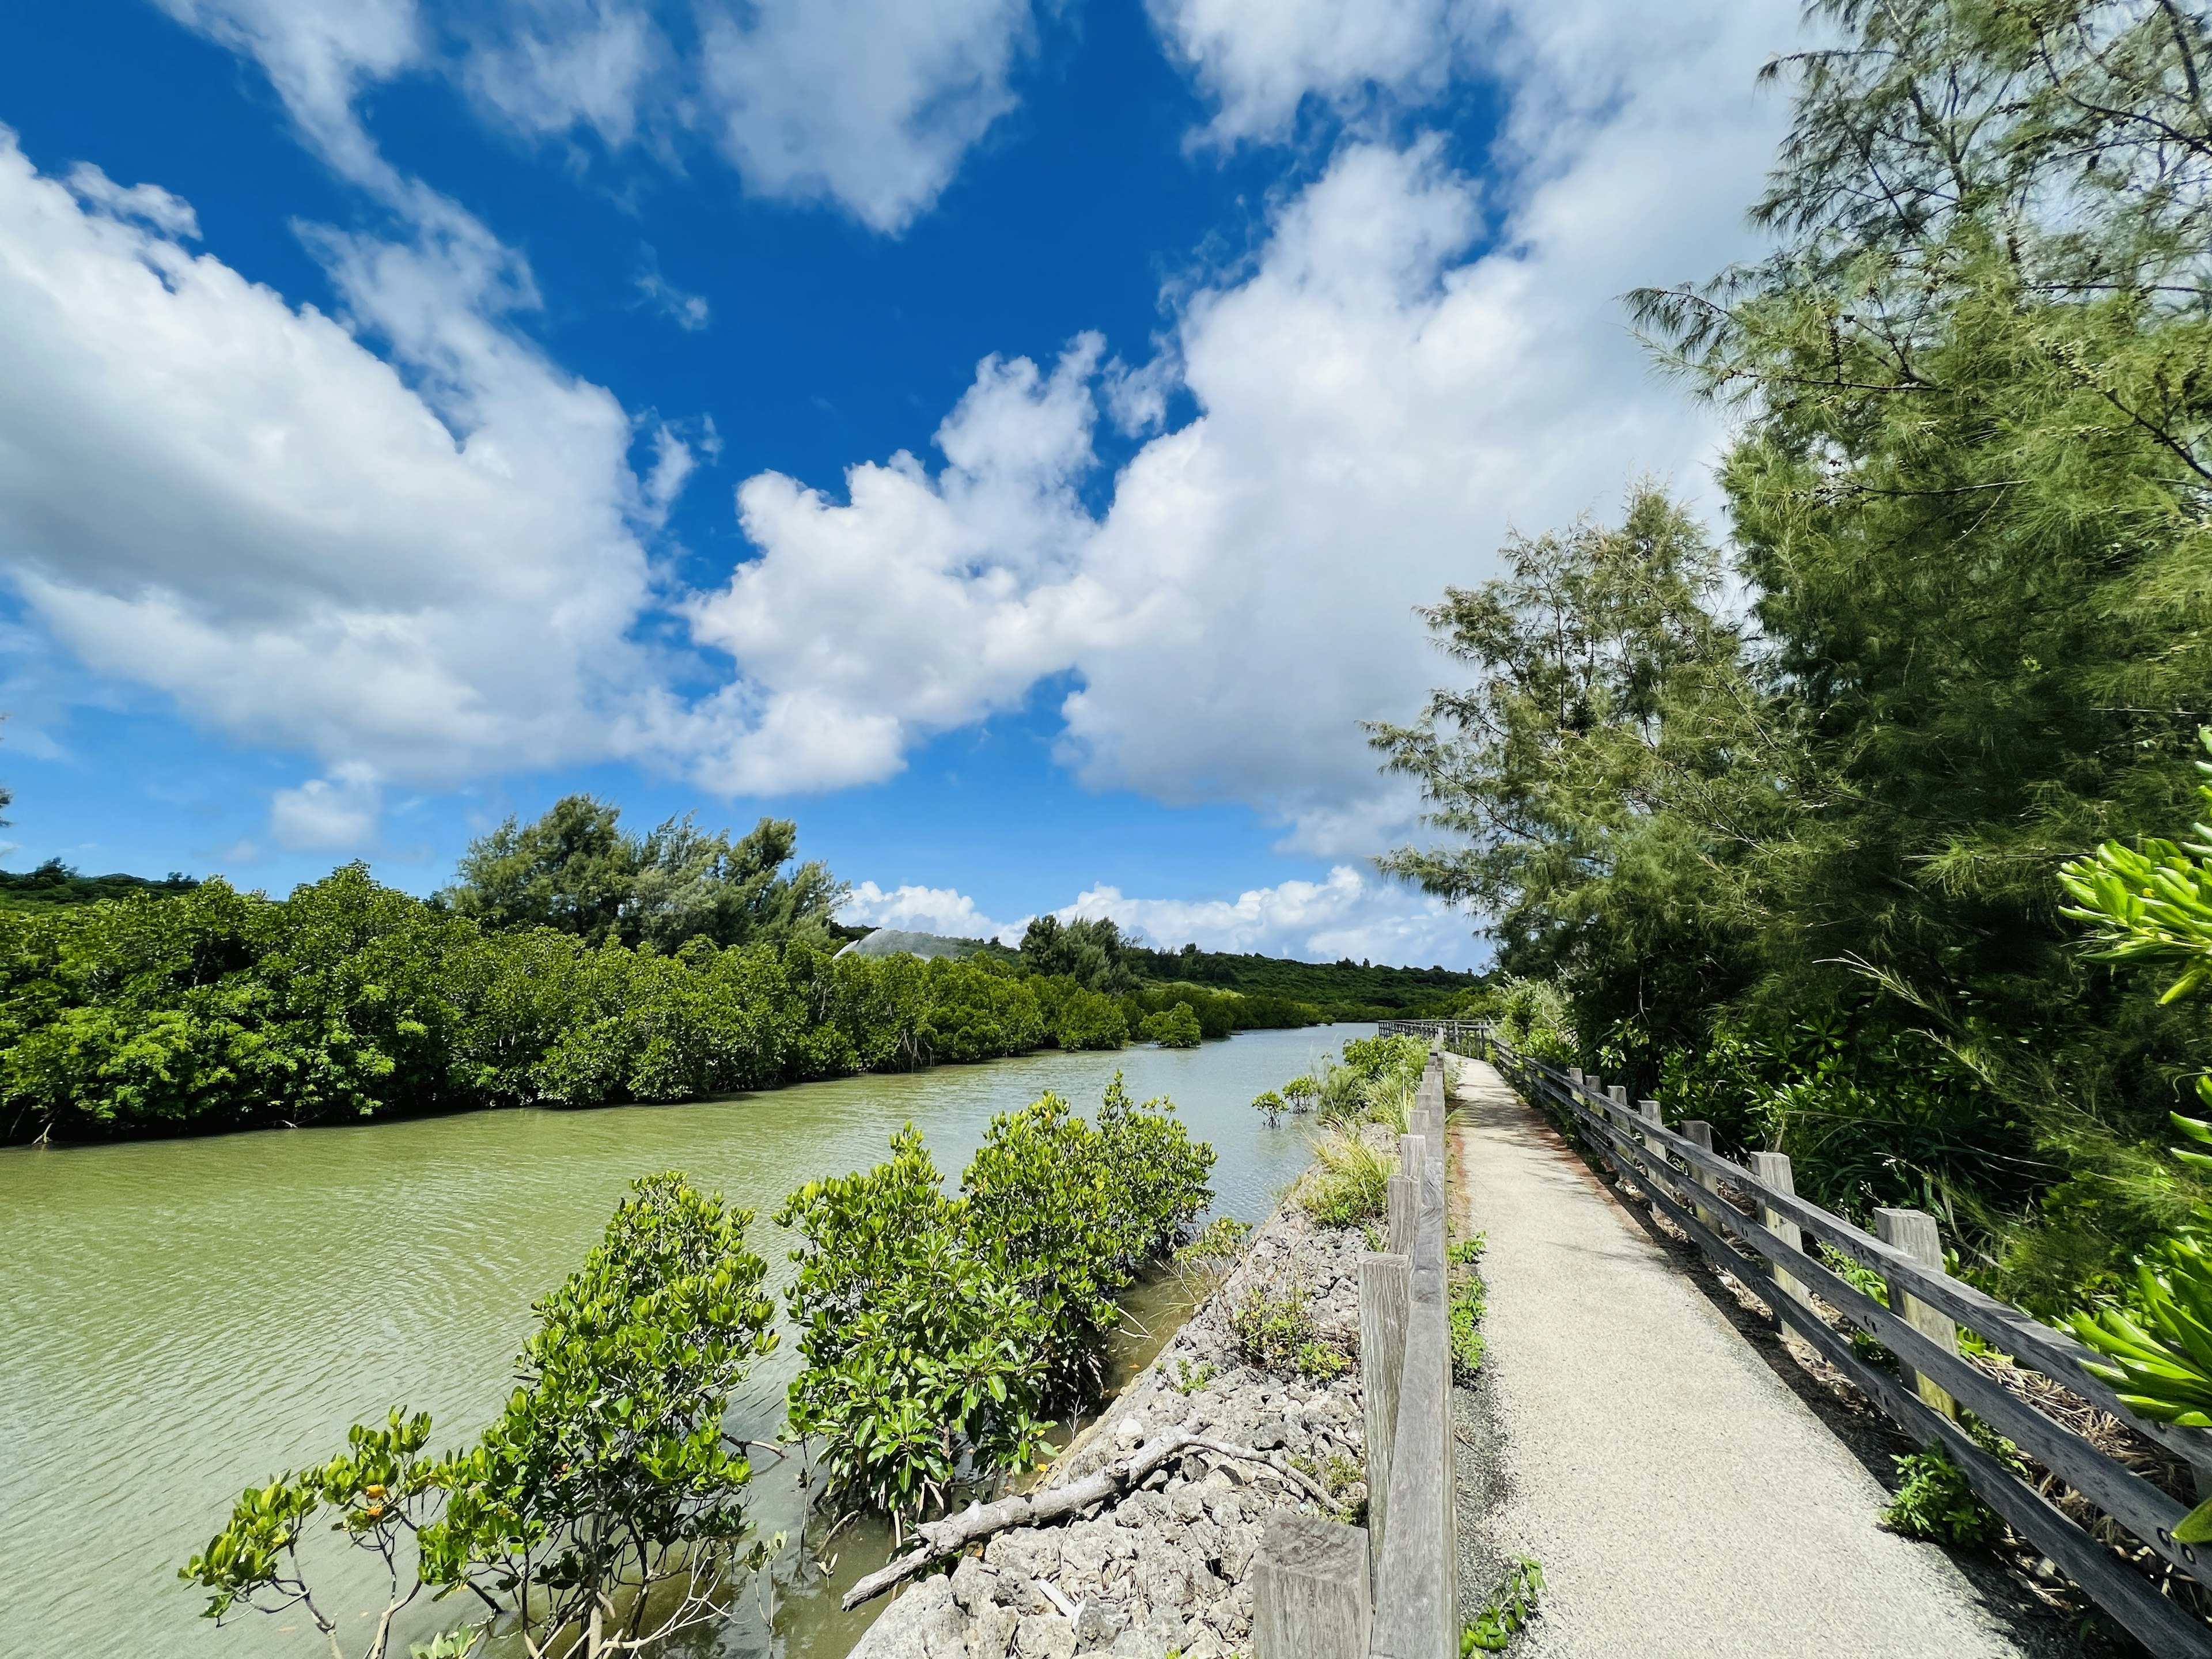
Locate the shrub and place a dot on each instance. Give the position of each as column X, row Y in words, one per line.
column 922, row 1364
column 1272, row 1332
column 1390, row 1060
column 1349, row 1182
column 1532, row 1018
column 939, row 1331
column 1173, row 1028
column 611, row 1474
column 1271, row 1104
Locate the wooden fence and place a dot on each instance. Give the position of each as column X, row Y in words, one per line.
column 1752, row 1222
column 1388, row 1590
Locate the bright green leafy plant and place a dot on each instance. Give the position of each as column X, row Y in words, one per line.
column 939, row 1331
column 603, row 1512
column 1506, row 1613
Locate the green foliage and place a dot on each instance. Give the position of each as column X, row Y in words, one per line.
column 1188, row 1379
column 1078, row 1018
column 923, row 1366
column 1387, row 1060
column 937, row 1331
column 212, row 1009
column 609, row 1481
column 1348, row 1183
column 2160, row 1348
column 54, row 884
column 1207, row 1260
column 576, row 871
column 1091, row 950
column 1780, row 822
column 1506, row 1612
column 1293, row 993
column 1938, row 1503
column 2151, row 904
column 1172, row 1027
column 1531, row 1017
column 1276, row 1333
column 612, row 1469
column 1466, row 1308
column 1269, row 1104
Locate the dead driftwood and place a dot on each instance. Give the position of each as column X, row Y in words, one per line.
column 955, row 1533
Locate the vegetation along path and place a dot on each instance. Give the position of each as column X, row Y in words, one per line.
column 1681, row 1497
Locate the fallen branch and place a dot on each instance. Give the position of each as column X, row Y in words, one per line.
column 955, row 1533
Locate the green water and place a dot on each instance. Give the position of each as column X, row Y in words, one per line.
column 181, row 1317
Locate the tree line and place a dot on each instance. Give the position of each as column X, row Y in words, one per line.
column 1779, row 807
column 569, row 963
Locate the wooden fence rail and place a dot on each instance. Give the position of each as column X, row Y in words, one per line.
column 1388, row 1590
column 1751, row 1223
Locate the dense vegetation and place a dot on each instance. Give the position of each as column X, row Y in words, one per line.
column 941, row 1333
column 54, row 884
column 551, row 972
column 1783, row 816
column 1342, row 990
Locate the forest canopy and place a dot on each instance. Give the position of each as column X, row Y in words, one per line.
column 1781, row 804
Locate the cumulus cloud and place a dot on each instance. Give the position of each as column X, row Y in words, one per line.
column 338, row 813
column 207, row 490
column 868, row 103
column 1259, row 60
column 1350, row 913
column 912, row 909
column 919, row 603
column 1414, row 365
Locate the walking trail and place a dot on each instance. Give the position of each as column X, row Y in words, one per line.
column 1681, row 1498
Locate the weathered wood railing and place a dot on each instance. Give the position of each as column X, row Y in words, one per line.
column 1388, row 1590
column 1755, row 1233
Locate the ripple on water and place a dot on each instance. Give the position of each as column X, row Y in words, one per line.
column 185, row 1316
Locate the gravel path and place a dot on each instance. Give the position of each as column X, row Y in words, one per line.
column 1681, row 1498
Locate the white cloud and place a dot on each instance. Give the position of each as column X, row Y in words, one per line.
column 208, row 491
column 1403, row 375
column 338, row 813
column 918, row 604
column 1350, row 913
column 547, row 66
column 689, row 312
column 869, row 103
column 1258, row 60
column 943, row 911
column 318, row 54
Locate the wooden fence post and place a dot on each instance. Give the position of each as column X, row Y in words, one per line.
column 1773, row 1168
column 1700, row 1134
column 1403, row 1207
column 1310, row 1595
column 1913, row 1231
column 1385, row 1294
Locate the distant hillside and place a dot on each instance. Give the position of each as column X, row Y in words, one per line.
column 1345, row 989
column 53, row 885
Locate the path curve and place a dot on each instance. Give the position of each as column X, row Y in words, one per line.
column 1681, row 1498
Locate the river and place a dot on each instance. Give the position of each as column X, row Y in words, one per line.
column 184, row 1316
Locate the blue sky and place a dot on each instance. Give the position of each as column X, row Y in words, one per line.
column 1009, row 439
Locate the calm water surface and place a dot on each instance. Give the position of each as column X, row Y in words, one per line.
column 181, row 1318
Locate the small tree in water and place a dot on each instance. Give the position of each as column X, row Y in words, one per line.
column 604, row 1511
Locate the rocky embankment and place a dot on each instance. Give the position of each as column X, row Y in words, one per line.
column 1163, row 1569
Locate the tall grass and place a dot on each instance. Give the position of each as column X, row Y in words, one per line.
column 1349, row 1182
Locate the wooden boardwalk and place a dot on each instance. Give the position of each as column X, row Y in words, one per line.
column 1681, row 1496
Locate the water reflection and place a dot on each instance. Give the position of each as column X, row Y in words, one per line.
column 181, row 1317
